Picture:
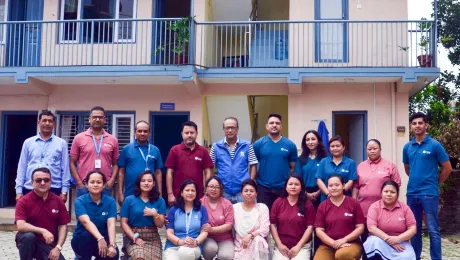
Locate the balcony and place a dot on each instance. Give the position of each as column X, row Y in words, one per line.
column 258, row 44
column 316, row 44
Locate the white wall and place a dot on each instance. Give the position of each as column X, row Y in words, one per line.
column 220, row 107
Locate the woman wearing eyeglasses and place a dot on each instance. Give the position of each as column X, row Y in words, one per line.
column 220, row 214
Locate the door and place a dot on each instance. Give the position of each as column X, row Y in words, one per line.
column 24, row 43
column 165, row 132
column 17, row 127
column 331, row 39
column 352, row 127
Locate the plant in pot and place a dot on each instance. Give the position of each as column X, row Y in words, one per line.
column 179, row 40
column 424, row 59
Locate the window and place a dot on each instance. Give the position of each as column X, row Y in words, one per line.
column 3, row 18
column 98, row 31
column 72, row 123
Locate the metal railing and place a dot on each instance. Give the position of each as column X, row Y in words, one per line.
column 320, row 43
column 94, row 42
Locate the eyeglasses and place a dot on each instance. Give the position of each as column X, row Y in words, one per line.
column 40, row 180
column 98, row 117
column 228, row 128
column 214, row 187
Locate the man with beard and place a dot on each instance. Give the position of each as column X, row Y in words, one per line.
column 44, row 150
column 94, row 149
column 187, row 160
column 277, row 156
column 137, row 157
column 41, row 220
column 421, row 157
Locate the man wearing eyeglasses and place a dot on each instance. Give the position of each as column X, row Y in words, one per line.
column 41, row 220
column 94, row 149
column 44, row 150
column 234, row 159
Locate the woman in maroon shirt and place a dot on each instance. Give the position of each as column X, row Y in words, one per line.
column 292, row 218
column 339, row 223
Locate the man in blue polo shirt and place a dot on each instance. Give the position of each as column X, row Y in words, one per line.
column 421, row 157
column 277, row 156
column 137, row 157
column 234, row 159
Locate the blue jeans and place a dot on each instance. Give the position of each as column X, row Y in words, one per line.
column 233, row 198
column 428, row 205
column 84, row 190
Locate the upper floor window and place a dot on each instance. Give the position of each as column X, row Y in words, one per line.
column 3, row 18
column 85, row 31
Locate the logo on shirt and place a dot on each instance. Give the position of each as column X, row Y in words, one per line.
column 343, row 170
column 348, row 214
column 284, row 150
column 317, row 164
column 242, row 154
column 196, row 216
column 104, row 213
column 426, row 152
column 107, row 145
column 300, row 214
column 198, row 159
column 401, row 219
column 221, row 217
column 150, row 156
column 380, row 172
column 55, row 211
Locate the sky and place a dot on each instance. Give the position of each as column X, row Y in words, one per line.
column 423, row 8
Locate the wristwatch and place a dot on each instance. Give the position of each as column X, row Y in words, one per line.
column 59, row 247
column 114, row 246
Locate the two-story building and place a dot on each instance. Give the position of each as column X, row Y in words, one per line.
column 350, row 63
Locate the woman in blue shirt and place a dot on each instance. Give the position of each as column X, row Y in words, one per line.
column 96, row 215
column 184, row 232
column 336, row 163
column 313, row 151
column 141, row 216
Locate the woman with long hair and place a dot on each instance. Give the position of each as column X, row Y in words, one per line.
column 141, row 216
column 292, row 218
column 186, row 218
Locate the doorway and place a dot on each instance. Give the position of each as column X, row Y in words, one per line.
column 165, row 132
column 16, row 128
column 352, row 127
column 24, row 43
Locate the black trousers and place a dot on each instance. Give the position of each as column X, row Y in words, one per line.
column 31, row 247
column 267, row 195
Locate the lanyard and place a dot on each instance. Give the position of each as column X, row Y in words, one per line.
column 188, row 219
column 98, row 149
column 143, row 156
column 44, row 149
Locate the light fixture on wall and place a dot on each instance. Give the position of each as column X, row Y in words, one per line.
column 110, row 81
column 426, row 82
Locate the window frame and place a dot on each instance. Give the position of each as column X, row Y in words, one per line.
column 116, row 39
column 5, row 27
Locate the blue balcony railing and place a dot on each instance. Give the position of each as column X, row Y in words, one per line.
column 325, row 43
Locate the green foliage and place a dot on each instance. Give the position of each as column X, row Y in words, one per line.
column 180, row 36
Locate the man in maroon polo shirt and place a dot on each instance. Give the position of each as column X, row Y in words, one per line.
column 41, row 220
column 187, row 160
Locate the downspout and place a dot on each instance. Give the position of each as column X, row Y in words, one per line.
column 375, row 116
column 393, row 121
column 435, row 34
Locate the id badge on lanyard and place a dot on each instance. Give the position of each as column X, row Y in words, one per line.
column 98, row 161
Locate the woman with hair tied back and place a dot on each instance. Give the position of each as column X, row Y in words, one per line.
column 391, row 225
column 141, row 216
column 292, row 218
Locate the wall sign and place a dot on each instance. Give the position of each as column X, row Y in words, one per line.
column 168, row 106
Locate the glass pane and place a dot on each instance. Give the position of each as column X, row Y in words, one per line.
column 69, row 29
column 126, row 11
column 2, row 17
column 331, row 41
column 98, row 9
column 331, row 9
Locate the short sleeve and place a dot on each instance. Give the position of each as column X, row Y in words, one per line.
column 298, row 167
column 212, row 154
column 228, row 212
column 161, row 206
column 171, row 159
column 372, row 215
column 122, row 161
column 353, row 175
column 171, row 217
column 116, row 151
column 359, row 215
column 75, row 148
column 406, row 154
column 294, row 154
column 320, row 171
column 320, row 219
column 274, row 212
column 112, row 209
column 409, row 216
column 80, row 208
column 207, row 162
column 252, row 158
column 310, row 214
column 125, row 207
column 204, row 215
column 20, row 211
column 394, row 175
column 159, row 160
column 64, row 218
column 441, row 153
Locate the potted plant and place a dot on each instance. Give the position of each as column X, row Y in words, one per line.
column 180, row 38
column 424, row 59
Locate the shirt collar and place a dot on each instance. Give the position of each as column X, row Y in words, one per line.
column 88, row 132
column 36, row 197
column 39, row 137
column 136, row 144
column 89, row 200
column 376, row 161
column 426, row 140
column 237, row 141
column 397, row 205
column 184, row 147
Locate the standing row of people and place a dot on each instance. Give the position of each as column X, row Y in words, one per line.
column 96, row 151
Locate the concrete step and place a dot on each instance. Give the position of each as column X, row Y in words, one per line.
column 7, row 224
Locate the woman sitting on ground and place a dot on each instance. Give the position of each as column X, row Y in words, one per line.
column 391, row 224
column 251, row 225
column 184, row 232
column 292, row 218
column 141, row 216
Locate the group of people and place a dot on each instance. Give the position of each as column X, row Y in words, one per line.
column 317, row 205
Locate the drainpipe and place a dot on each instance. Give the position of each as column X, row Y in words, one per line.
column 393, row 121
column 375, row 116
column 435, row 34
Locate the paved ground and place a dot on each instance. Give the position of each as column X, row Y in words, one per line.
column 8, row 250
